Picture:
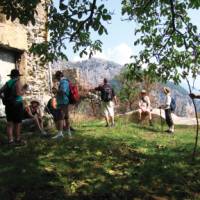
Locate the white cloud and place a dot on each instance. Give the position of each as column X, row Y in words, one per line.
column 119, row 54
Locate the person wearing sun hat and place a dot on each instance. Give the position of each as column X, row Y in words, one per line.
column 167, row 108
column 32, row 111
column 12, row 92
column 144, row 106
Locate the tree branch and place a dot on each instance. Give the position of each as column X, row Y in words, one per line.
column 89, row 19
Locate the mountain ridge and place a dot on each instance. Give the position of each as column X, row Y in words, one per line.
column 94, row 70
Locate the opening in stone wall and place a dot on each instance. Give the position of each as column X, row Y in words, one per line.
column 8, row 60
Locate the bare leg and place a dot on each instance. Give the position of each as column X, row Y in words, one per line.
column 60, row 125
column 10, row 127
column 112, row 119
column 41, row 123
column 150, row 115
column 66, row 123
column 139, row 114
column 107, row 120
column 17, row 128
column 150, row 118
column 37, row 121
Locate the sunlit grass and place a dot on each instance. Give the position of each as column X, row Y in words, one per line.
column 125, row 162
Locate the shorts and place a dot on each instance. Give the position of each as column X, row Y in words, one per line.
column 108, row 108
column 57, row 114
column 65, row 111
column 14, row 112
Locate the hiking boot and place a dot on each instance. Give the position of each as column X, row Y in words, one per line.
column 150, row 123
column 20, row 142
column 169, row 131
column 112, row 125
column 72, row 129
column 45, row 134
column 58, row 136
column 11, row 143
column 69, row 133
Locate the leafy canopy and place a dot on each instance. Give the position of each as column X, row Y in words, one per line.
column 164, row 29
column 72, row 23
column 170, row 40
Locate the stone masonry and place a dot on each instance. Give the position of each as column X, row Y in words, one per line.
column 19, row 38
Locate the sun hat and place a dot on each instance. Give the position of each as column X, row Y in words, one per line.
column 166, row 90
column 35, row 101
column 58, row 74
column 143, row 92
column 14, row 73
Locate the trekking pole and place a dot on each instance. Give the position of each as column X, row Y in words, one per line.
column 161, row 121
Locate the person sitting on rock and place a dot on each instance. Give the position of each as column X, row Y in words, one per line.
column 33, row 111
column 144, row 107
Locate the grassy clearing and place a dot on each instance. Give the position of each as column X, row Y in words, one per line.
column 126, row 162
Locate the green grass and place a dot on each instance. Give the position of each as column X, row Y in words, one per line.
column 126, row 162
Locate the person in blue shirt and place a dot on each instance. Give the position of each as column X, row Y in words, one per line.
column 62, row 99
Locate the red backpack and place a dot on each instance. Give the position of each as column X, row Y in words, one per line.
column 74, row 94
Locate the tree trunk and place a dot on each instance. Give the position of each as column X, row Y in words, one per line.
column 197, row 124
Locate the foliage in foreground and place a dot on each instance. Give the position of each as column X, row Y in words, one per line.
column 126, row 162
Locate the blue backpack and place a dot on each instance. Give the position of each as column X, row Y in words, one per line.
column 173, row 105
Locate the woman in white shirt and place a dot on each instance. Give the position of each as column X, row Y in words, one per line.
column 144, row 106
column 167, row 108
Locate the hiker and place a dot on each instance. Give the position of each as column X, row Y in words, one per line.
column 107, row 97
column 168, row 110
column 62, row 101
column 11, row 94
column 144, row 107
column 33, row 111
column 52, row 109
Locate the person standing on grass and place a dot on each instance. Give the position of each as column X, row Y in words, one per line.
column 11, row 94
column 52, row 109
column 62, row 99
column 107, row 97
column 144, row 107
column 168, row 111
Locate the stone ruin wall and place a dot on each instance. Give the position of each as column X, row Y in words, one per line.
column 75, row 76
column 37, row 76
column 19, row 38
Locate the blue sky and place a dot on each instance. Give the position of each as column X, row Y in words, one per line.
column 118, row 44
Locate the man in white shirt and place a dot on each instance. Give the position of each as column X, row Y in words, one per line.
column 144, row 106
column 167, row 108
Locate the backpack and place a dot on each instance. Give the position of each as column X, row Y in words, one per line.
column 9, row 94
column 144, row 100
column 49, row 107
column 173, row 105
column 107, row 93
column 73, row 94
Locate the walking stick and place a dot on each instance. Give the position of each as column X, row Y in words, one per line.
column 161, row 121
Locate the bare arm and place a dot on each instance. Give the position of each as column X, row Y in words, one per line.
column 20, row 90
column 2, row 89
column 28, row 110
column 193, row 96
column 115, row 100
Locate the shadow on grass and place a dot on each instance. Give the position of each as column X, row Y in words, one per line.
column 86, row 167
